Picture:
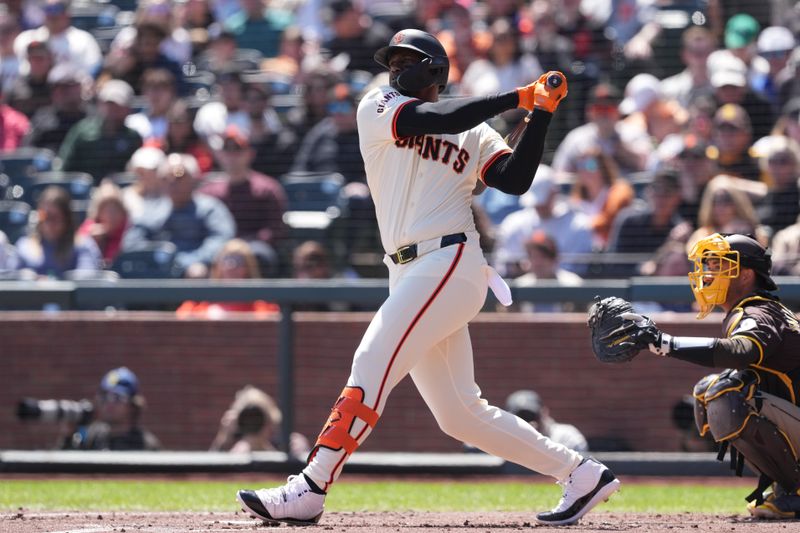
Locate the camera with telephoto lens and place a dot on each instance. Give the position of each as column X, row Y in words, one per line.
column 77, row 412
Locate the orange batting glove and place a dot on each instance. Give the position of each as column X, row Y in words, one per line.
column 545, row 93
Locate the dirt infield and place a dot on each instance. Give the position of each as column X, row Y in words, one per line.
column 24, row 522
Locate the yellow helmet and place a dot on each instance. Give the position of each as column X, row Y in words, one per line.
column 717, row 260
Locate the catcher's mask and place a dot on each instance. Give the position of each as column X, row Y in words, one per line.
column 717, row 260
column 433, row 69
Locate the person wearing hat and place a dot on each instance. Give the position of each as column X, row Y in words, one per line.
column 198, row 224
column 729, row 78
column 67, row 43
column 118, row 408
column 50, row 124
column 213, row 118
column 648, row 111
column 732, row 139
column 102, row 144
column 751, row 404
column 527, row 404
column 629, row 148
column 641, row 229
column 543, row 209
column 31, row 90
column 147, row 190
column 775, row 45
column 741, row 34
column 256, row 201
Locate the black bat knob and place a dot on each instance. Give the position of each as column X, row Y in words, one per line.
column 554, row 81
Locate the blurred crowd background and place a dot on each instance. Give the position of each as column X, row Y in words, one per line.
column 217, row 138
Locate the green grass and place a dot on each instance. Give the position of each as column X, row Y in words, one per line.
column 99, row 495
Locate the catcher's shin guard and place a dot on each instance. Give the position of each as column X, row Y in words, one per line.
column 732, row 420
column 699, row 392
column 336, row 433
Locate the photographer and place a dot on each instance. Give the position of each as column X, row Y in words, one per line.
column 252, row 424
column 111, row 422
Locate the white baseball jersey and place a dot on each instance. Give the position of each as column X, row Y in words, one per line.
column 422, row 185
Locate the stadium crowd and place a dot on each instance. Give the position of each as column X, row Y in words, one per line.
column 217, row 138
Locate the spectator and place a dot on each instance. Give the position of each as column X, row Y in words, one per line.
column 274, row 144
column 213, row 118
column 117, row 415
column 148, row 190
column 159, row 90
column 786, row 250
column 294, row 52
column 599, row 192
column 332, row 144
column 235, row 260
column 506, row 67
column 642, row 228
column 259, row 26
column 732, row 140
column 729, row 79
column 695, row 169
column 542, row 264
column 543, row 209
column 628, row 148
column 9, row 62
column 54, row 248
column 195, row 17
column 67, row 43
column 697, row 43
column 102, row 144
column 355, row 34
column 220, row 52
column 31, row 90
column 129, row 64
column 318, row 87
column 15, row 126
column 176, row 45
column 648, row 112
column 527, row 405
column 106, row 221
column 256, row 201
column 669, row 260
column 199, row 225
column 182, row 138
column 781, row 167
column 788, row 123
column 741, row 33
column 311, row 260
column 775, row 45
column 8, row 257
column 50, row 124
column 633, row 29
column 252, row 423
column 725, row 209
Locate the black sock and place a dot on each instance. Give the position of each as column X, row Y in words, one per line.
column 314, row 488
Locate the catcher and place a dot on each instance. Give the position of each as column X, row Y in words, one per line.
column 753, row 406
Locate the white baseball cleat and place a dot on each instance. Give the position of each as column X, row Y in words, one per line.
column 588, row 485
column 293, row 503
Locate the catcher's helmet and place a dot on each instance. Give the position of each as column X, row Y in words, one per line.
column 730, row 253
column 433, row 69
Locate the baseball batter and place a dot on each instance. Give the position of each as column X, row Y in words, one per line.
column 424, row 158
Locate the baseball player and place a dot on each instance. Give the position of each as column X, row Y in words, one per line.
column 423, row 159
column 753, row 405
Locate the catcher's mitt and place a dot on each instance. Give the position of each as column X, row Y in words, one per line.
column 614, row 337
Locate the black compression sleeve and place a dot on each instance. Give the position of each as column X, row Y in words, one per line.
column 725, row 353
column 513, row 174
column 453, row 115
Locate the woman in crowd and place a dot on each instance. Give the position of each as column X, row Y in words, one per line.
column 107, row 221
column 53, row 248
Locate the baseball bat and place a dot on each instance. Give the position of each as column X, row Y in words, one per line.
column 554, row 81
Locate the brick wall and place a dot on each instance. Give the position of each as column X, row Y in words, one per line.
column 190, row 370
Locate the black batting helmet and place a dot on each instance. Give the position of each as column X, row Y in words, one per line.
column 753, row 255
column 433, row 69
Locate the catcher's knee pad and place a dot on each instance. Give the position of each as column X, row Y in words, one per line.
column 726, row 407
column 336, row 433
column 699, row 392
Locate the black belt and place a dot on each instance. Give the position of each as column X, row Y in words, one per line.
column 408, row 253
